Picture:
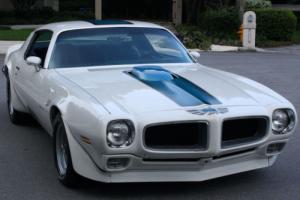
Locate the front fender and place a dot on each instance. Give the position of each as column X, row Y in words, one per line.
column 17, row 103
column 82, row 162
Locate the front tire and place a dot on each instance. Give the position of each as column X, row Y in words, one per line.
column 14, row 115
column 63, row 160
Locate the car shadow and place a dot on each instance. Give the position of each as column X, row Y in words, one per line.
column 29, row 121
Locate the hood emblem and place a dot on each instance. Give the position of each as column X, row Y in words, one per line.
column 208, row 111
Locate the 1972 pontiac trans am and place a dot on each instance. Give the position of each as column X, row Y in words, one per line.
column 125, row 101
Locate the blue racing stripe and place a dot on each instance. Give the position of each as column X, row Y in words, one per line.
column 175, row 87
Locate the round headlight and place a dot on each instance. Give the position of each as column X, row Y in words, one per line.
column 283, row 121
column 120, row 133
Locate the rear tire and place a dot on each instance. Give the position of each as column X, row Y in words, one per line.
column 63, row 160
column 14, row 115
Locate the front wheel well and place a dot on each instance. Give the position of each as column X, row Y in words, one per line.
column 5, row 71
column 54, row 111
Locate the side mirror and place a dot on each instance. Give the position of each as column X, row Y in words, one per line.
column 34, row 61
column 195, row 54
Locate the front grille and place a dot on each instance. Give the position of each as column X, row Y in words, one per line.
column 180, row 136
column 243, row 131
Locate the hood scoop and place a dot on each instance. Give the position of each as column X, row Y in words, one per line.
column 175, row 87
column 152, row 74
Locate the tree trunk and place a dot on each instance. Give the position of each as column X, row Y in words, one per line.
column 240, row 4
column 192, row 9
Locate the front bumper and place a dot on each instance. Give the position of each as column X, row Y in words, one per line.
column 146, row 165
column 140, row 170
column 203, row 171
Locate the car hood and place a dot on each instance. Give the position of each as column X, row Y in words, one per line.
column 118, row 91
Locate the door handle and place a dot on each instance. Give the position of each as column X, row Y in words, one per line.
column 18, row 68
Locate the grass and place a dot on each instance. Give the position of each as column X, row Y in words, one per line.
column 15, row 35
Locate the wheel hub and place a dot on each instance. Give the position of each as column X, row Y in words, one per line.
column 61, row 153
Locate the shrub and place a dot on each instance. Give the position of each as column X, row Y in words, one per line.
column 193, row 38
column 258, row 4
column 275, row 24
column 298, row 18
column 220, row 23
column 23, row 5
column 285, row 1
column 35, row 14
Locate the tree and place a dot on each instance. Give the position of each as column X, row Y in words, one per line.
column 240, row 4
column 23, row 5
column 194, row 7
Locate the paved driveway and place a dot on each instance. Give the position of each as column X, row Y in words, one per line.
column 27, row 170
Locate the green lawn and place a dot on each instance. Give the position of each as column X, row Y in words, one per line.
column 16, row 35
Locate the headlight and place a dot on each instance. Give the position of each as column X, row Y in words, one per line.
column 120, row 133
column 283, row 121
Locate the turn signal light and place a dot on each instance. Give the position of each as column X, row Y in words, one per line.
column 275, row 148
column 117, row 163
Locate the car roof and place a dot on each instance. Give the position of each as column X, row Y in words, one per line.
column 71, row 25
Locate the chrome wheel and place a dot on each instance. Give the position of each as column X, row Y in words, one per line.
column 62, row 155
column 61, row 152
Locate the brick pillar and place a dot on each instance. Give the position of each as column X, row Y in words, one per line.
column 98, row 9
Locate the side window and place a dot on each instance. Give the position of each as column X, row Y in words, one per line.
column 39, row 45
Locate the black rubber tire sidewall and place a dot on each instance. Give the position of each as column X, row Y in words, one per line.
column 16, row 117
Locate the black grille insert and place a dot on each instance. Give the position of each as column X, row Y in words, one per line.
column 241, row 131
column 183, row 136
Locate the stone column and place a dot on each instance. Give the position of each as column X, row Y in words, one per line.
column 98, row 9
column 177, row 12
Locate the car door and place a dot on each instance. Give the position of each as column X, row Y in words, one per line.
column 31, row 83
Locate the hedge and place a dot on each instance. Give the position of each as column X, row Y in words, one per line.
column 297, row 13
column 275, row 24
column 220, row 23
column 258, row 4
column 192, row 37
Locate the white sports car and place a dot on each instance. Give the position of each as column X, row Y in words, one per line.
column 125, row 101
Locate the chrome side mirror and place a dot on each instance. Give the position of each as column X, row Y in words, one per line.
column 34, row 61
column 196, row 55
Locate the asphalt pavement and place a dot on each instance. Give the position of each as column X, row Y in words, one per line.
column 27, row 168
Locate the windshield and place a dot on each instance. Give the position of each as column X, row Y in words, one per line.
column 116, row 46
